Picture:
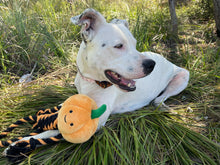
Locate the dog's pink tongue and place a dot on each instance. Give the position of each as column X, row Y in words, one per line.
column 126, row 82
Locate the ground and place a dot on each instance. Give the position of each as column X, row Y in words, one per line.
column 40, row 33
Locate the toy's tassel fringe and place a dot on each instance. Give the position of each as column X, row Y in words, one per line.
column 44, row 120
column 22, row 149
column 12, row 127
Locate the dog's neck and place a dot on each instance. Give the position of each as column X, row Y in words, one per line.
column 103, row 84
column 85, row 78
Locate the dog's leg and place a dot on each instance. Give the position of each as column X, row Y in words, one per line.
column 175, row 86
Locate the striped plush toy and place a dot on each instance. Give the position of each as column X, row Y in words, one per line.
column 76, row 120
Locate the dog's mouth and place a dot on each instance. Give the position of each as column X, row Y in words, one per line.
column 121, row 82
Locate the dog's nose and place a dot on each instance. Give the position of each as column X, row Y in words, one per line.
column 148, row 66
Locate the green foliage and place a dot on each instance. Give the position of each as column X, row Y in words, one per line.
column 201, row 10
column 30, row 35
column 39, row 31
column 151, row 28
column 142, row 137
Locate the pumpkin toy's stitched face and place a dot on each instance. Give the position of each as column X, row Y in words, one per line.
column 72, row 118
column 78, row 118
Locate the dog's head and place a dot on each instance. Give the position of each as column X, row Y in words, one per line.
column 108, row 51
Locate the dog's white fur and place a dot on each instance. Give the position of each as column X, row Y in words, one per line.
column 93, row 59
column 99, row 52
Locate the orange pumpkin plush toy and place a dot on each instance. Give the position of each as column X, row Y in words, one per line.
column 77, row 120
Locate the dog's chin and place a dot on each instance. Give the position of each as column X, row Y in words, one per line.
column 123, row 83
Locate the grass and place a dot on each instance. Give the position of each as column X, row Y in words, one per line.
column 40, row 32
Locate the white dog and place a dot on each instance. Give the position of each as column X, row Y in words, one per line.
column 108, row 57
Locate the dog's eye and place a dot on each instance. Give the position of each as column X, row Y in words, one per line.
column 118, row 46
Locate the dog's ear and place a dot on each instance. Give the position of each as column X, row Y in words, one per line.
column 90, row 20
column 120, row 21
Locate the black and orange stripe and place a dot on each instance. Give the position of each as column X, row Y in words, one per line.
column 48, row 111
column 44, row 120
column 16, row 124
column 32, row 143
